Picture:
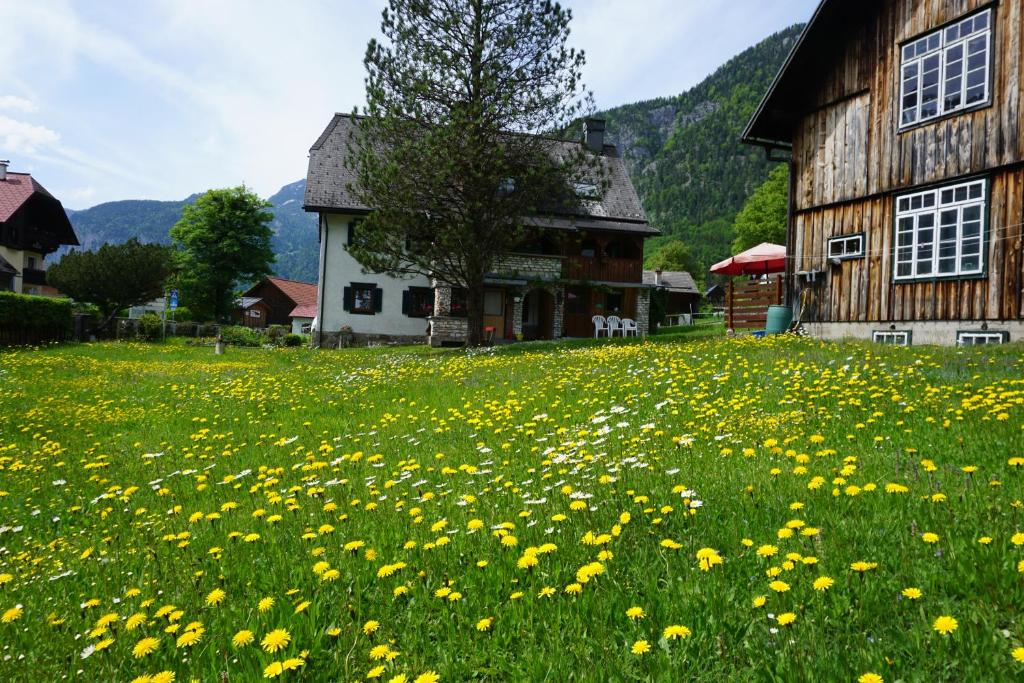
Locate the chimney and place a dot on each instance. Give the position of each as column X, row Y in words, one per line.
column 657, row 277
column 4, row 163
column 593, row 134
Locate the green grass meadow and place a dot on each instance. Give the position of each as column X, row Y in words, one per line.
column 682, row 508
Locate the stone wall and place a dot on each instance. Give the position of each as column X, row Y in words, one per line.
column 529, row 266
column 343, row 340
column 444, row 329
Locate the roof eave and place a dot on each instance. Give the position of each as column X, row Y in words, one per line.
column 748, row 131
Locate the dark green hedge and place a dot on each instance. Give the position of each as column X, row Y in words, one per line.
column 34, row 318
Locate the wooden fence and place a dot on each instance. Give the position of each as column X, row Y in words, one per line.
column 31, row 336
column 747, row 302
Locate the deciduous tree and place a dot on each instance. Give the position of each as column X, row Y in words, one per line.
column 763, row 218
column 224, row 240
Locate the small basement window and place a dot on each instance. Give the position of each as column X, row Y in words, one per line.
column 974, row 338
column 846, row 246
column 893, row 337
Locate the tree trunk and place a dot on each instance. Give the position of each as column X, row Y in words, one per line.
column 474, row 312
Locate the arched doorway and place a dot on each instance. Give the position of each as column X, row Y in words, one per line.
column 538, row 315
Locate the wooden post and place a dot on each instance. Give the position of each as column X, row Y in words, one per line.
column 778, row 290
column 728, row 306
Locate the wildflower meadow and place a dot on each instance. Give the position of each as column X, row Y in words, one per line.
column 705, row 510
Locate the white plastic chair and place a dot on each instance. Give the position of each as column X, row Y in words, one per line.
column 599, row 326
column 614, row 325
column 629, row 328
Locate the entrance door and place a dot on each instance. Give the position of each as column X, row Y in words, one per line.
column 578, row 312
column 538, row 315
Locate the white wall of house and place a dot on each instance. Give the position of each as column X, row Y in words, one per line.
column 339, row 270
column 20, row 259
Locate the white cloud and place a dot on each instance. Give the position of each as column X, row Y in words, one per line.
column 15, row 103
column 25, row 138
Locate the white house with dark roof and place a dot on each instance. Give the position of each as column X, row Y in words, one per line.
column 572, row 267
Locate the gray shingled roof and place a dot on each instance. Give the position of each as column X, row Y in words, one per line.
column 673, row 281
column 328, row 179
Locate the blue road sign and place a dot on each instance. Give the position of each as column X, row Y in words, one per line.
column 174, row 299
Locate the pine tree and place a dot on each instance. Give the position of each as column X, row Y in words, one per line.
column 448, row 154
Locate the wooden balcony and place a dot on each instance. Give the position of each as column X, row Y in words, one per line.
column 33, row 276
column 604, row 269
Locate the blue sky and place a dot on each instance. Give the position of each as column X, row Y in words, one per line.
column 119, row 99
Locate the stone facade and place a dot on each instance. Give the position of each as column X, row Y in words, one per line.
column 558, row 322
column 643, row 311
column 529, row 266
column 447, row 330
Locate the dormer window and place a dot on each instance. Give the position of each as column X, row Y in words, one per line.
column 585, row 190
column 946, row 70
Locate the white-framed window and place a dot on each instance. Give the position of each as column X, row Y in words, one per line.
column 946, row 70
column 975, row 337
column 940, row 232
column 893, row 337
column 846, row 246
column 255, row 313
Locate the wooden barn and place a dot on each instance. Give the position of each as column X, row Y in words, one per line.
column 901, row 123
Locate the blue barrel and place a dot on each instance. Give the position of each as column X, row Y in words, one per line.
column 779, row 319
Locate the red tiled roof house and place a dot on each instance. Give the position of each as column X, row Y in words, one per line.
column 32, row 224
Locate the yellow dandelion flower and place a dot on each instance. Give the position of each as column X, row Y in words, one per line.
column 427, row 677
column 484, row 624
column 242, row 638
column 870, row 678
column 11, row 614
column 786, row 618
column 145, row 646
column 635, row 613
column 276, row 640
column 273, row 670
column 265, row 604
column 823, row 583
column 945, row 625
column 911, row 593
column 189, row 638
column 215, row 597
column 640, row 647
column 371, row 626
column 676, row 632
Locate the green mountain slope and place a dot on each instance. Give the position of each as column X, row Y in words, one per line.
column 295, row 235
column 684, row 152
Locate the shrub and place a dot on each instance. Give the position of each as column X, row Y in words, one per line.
column 294, row 340
column 35, row 317
column 238, row 335
column 276, row 333
column 150, row 327
column 181, row 314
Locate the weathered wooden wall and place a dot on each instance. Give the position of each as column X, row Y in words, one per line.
column 850, row 159
column 862, row 290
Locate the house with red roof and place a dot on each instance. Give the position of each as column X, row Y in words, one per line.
column 32, row 224
column 277, row 301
